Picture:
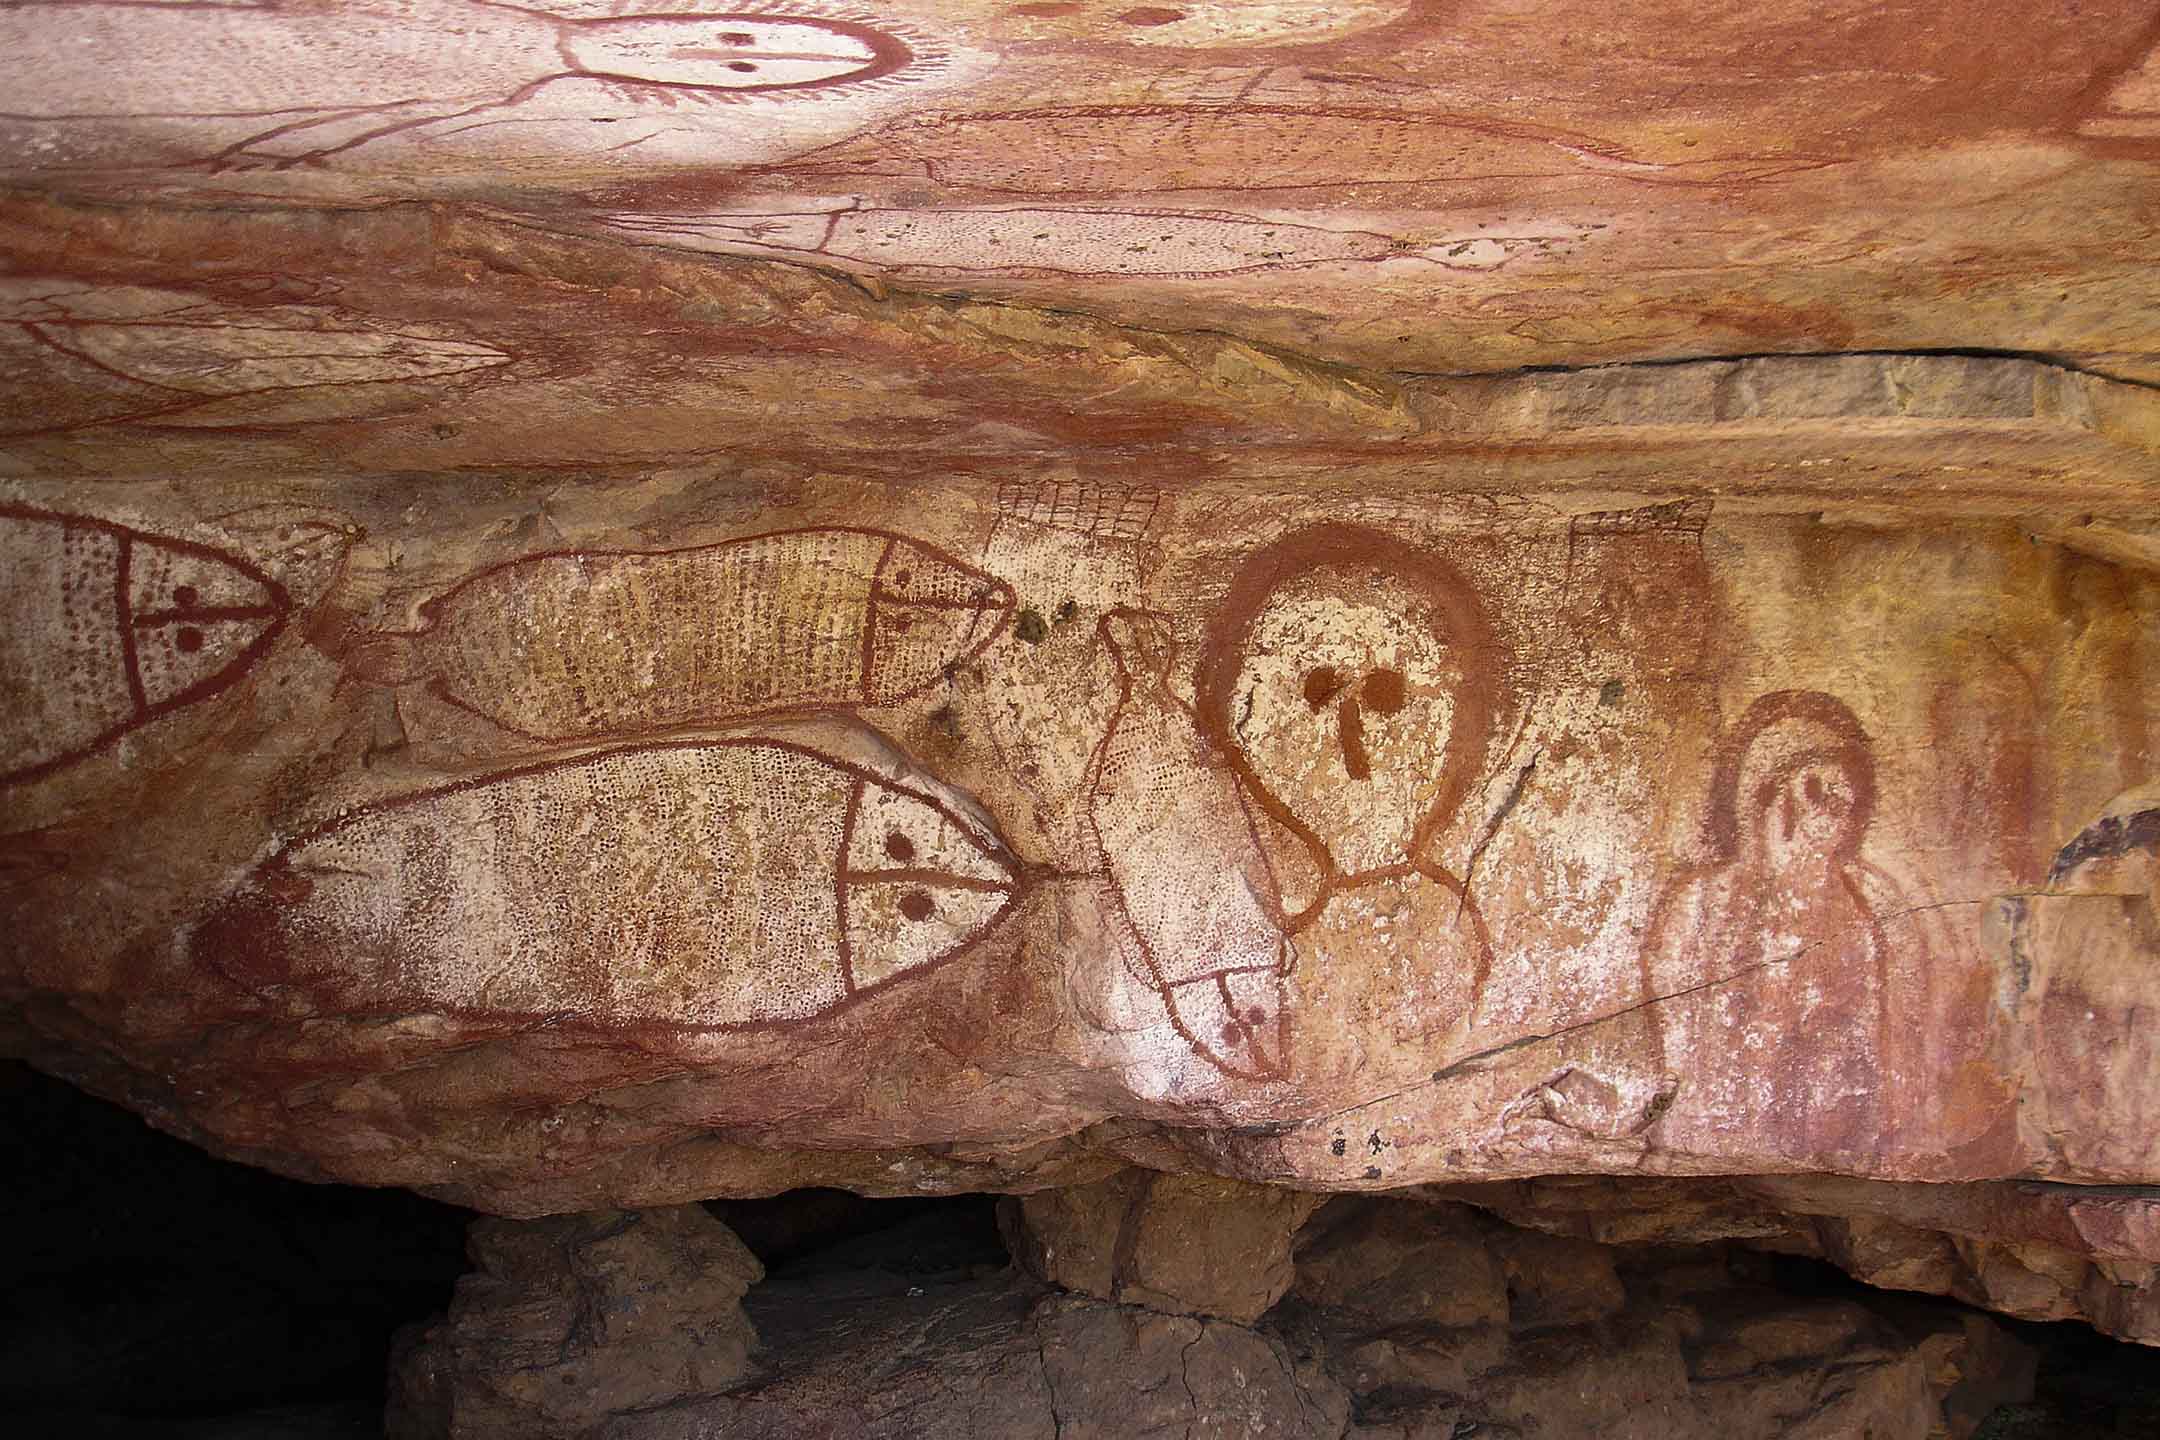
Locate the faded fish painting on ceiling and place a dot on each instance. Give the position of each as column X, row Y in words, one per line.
column 582, row 644
column 1202, row 24
column 113, row 629
column 1111, row 150
column 709, row 885
column 124, row 352
column 1342, row 703
column 1023, row 242
column 275, row 85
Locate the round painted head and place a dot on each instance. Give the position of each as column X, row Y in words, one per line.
column 1347, row 677
column 741, row 51
column 1795, row 783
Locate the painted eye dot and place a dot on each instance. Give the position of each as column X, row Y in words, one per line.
column 917, row 905
column 743, row 65
column 1255, row 1016
column 738, row 37
column 899, row 847
column 1321, row 686
column 1816, row 792
column 902, row 577
column 185, row 596
column 1383, row 690
column 1152, row 15
column 189, row 639
column 1232, row 1033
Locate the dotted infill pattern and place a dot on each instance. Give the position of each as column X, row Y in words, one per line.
column 565, row 646
column 701, row 885
column 110, row 629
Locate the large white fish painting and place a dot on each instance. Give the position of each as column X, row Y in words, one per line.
column 110, row 628
column 581, row 644
column 701, row 884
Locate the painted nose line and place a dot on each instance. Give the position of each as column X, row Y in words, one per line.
column 700, row 53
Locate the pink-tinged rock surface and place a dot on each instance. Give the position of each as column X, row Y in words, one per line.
column 606, row 607
column 1349, row 841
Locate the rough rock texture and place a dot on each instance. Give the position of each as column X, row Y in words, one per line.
column 569, row 1320
column 609, row 607
column 2040, row 1252
column 1546, row 1338
column 1191, row 1245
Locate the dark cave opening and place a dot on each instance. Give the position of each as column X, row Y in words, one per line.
column 156, row 1290
column 153, row 1284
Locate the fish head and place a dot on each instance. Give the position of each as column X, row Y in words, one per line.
column 196, row 619
column 929, row 613
column 1236, row 1020
column 921, row 880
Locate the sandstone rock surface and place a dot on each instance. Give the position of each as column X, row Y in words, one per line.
column 573, row 1319
column 1685, row 1346
column 607, row 607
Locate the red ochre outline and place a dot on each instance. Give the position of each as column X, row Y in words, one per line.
column 999, row 596
column 261, row 896
column 889, row 54
column 278, row 612
column 1154, row 976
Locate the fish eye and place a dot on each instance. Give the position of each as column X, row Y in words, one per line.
column 1321, row 686
column 189, row 639
column 743, row 65
column 917, row 905
column 739, row 37
column 185, row 596
column 899, row 847
column 902, row 577
column 1255, row 1016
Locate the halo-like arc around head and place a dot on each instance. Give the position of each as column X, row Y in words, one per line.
column 1844, row 738
column 1426, row 577
column 895, row 53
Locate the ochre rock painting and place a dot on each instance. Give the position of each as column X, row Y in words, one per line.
column 111, row 629
column 741, row 882
column 1081, row 150
column 1093, row 243
column 1786, row 936
column 100, row 353
column 592, row 643
column 1411, row 839
column 282, row 85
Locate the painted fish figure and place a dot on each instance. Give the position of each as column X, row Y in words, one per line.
column 568, row 646
column 1183, row 871
column 710, row 885
column 111, row 628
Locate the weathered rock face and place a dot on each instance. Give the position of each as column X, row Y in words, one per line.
column 570, row 1320
column 610, row 607
column 1371, row 840
column 1477, row 1328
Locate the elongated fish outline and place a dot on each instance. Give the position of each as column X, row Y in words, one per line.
column 1184, row 876
column 573, row 645
column 705, row 885
column 111, row 628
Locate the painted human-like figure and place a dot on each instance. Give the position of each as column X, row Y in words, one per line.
column 1777, row 957
column 1341, row 707
column 285, row 85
